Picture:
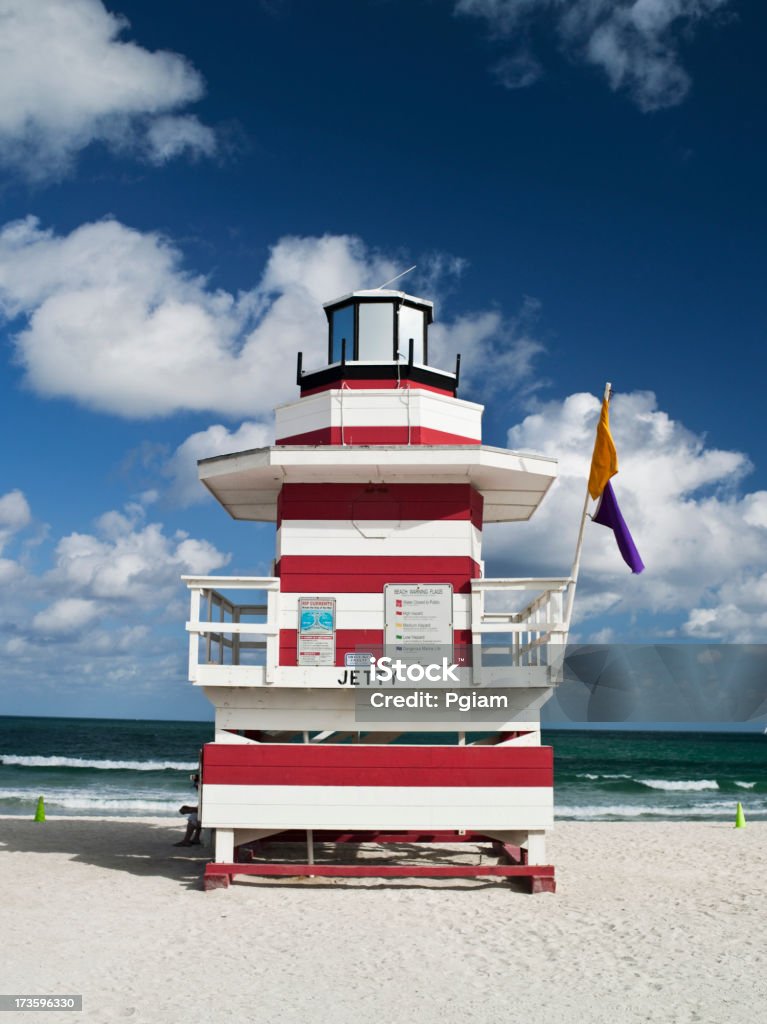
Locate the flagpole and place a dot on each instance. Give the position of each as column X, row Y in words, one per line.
column 579, row 545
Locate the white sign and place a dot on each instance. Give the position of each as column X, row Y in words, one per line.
column 418, row 616
column 358, row 659
column 316, row 631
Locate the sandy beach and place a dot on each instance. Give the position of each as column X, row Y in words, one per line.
column 652, row 922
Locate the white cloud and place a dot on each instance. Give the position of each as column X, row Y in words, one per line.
column 127, row 560
column 634, row 42
column 14, row 515
column 68, row 78
column 10, row 571
column 703, row 540
column 738, row 613
column 489, row 339
column 67, row 615
column 109, row 608
column 109, row 317
column 185, row 487
column 169, row 137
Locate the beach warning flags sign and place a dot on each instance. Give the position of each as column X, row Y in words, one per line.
column 40, row 810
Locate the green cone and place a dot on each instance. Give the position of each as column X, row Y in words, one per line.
column 40, row 812
column 740, row 818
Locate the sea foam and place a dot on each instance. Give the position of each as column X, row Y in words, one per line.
column 80, row 762
column 80, row 802
column 679, row 786
column 716, row 809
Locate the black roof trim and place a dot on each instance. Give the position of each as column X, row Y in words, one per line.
column 353, row 299
column 378, row 371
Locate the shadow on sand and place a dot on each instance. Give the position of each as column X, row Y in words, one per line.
column 146, row 849
column 137, row 847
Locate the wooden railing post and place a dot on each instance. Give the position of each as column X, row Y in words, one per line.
column 194, row 638
column 236, row 617
column 208, row 637
column 273, row 640
column 477, row 615
column 221, row 614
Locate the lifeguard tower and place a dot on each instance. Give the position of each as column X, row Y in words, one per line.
column 379, row 486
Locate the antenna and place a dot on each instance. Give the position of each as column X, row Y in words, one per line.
column 381, row 286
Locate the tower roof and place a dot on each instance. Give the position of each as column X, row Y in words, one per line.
column 248, row 483
column 384, row 295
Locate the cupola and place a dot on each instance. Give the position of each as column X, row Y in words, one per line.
column 378, row 335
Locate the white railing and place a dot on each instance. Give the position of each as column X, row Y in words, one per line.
column 223, row 630
column 228, row 648
column 537, row 631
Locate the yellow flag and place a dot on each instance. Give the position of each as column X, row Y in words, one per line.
column 604, row 461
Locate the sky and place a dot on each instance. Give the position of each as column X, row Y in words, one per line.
column 580, row 185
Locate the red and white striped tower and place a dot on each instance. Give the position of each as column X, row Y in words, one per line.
column 379, row 486
column 351, row 539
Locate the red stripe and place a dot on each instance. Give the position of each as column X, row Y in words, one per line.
column 291, row 764
column 408, row 502
column 352, row 574
column 377, row 385
column 377, row 435
column 350, row 641
column 297, row 775
column 342, row 755
column 541, row 875
column 325, row 835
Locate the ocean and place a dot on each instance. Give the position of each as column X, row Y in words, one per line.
column 104, row 767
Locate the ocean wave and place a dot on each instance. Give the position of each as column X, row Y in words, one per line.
column 80, row 762
column 591, row 776
column 81, row 802
column 745, row 785
column 674, row 786
column 715, row 809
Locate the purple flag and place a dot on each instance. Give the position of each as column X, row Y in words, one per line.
column 608, row 514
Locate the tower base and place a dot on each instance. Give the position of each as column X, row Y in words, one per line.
column 512, row 860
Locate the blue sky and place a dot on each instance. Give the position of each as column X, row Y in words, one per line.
column 581, row 187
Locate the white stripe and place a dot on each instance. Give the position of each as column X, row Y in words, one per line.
column 345, row 720
column 446, row 538
column 396, row 807
column 384, row 408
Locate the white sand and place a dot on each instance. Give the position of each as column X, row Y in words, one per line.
column 652, row 922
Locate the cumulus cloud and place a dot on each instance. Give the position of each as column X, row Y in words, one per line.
column 15, row 515
column 128, row 560
column 107, row 607
column 634, row 42
column 181, row 468
column 67, row 615
column 109, row 316
column 68, row 78
column 702, row 537
column 168, row 137
column 490, row 338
